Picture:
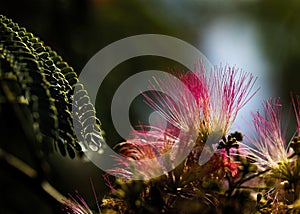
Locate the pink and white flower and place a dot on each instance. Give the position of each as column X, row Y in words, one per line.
column 209, row 100
column 201, row 106
column 269, row 146
column 76, row 205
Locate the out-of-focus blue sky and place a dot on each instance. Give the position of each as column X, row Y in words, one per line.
column 234, row 40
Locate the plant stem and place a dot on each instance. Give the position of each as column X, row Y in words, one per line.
column 31, row 173
column 251, row 177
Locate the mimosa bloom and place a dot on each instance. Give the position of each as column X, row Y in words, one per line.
column 76, row 205
column 201, row 106
column 228, row 164
column 208, row 103
column 271, row 148
column 152, row 152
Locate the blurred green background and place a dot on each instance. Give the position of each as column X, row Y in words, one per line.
column 262, row 37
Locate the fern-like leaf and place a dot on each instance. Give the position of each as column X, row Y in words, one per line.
column 46, row 86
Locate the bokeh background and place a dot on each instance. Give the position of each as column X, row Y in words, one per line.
column 258, row 36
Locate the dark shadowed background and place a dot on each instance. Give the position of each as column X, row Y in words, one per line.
column 262, row 37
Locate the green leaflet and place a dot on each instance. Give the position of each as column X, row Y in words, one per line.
column 46, row 85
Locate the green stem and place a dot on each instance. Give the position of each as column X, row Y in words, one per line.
column 32, row 174
column 41, row 165
column 239, row 183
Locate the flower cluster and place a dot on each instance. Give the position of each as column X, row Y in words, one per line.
column 276, row 156
column 195, row 164
column 201, row 107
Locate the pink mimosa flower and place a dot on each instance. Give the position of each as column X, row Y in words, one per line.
column 208, row 103
column 201, row 106
column 76, row 205
column 152, row 153
column 228, row 164
column 271, row 148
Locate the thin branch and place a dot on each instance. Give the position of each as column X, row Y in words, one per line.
column 28, row 171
